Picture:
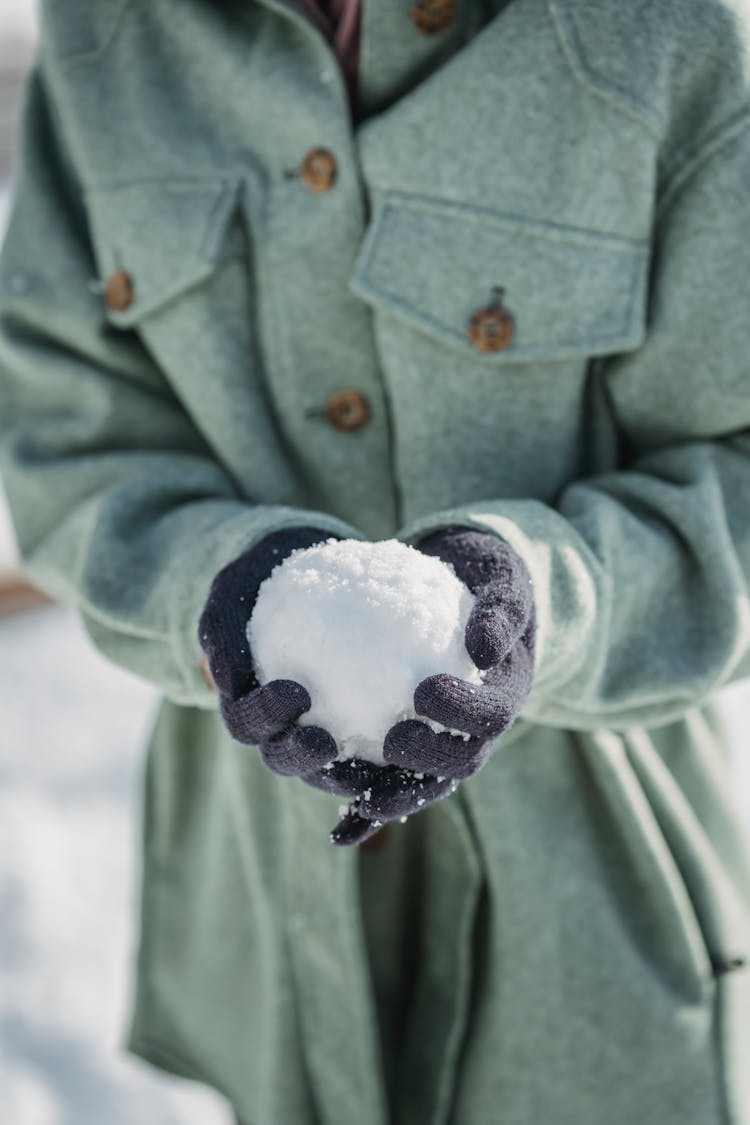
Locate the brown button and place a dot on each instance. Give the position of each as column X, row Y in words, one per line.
column 206, row 673
column 118, row 292
column 319, row 170
column 433, row 15
column 491, row 329
column 377, row 840
column 348, row 410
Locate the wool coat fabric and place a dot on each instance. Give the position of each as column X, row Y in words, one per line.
column 579, row 912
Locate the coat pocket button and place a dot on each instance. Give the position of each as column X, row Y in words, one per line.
column 491, row 329
column 119, row 291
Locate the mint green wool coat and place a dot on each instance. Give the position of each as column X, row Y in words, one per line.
column 583, row 903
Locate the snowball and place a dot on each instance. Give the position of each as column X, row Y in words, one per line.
column 359, row 624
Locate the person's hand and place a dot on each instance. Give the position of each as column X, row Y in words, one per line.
column 389, row 793
column 265, row 715
column 423, row 765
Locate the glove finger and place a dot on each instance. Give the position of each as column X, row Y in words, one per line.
column 479, row 709
column 400, row 792
column 298, row 751
column 353, row 828
column 477, row 557
column 498, row 619
column 265, row 711
column 347, row 778
column 412, row 745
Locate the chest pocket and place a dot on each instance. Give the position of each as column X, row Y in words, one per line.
column 167, row 236
column 189, row 303
column 433, row 265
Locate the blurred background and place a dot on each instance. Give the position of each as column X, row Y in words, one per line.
column 70, row 784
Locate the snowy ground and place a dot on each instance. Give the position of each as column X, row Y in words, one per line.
column 8, row 549
column 18, row 20
column 3, row 205
column 74, row 728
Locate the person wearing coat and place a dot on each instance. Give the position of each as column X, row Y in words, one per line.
column 484, row 290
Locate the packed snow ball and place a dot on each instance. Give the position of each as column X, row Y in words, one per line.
column 359, row 624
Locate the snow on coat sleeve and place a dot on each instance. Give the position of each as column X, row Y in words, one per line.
column 641, row 575
column 118, row 503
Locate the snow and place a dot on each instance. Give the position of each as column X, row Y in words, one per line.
column 359, row 624
column 74, row 730
column 18, row 21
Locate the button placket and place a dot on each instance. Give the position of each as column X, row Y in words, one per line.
column 297, row 224
column 348, row 410
column 305, row 378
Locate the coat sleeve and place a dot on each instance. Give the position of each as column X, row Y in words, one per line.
column 642, row 575
column 118, row 504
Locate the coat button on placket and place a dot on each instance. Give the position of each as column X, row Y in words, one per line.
column 433, row 15
column 348, row 410
column 319, row 170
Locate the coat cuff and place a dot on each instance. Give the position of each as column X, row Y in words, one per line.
column 564, row 574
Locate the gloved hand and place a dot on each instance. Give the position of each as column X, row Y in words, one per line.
column 266, row 715
column 424, row 765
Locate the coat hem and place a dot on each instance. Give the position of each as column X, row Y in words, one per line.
column 165, row 1059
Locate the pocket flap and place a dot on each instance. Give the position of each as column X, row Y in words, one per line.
column 570, row 290
column 166, row 235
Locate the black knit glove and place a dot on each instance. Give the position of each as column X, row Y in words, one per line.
column 424, row 766
column 266, row 715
